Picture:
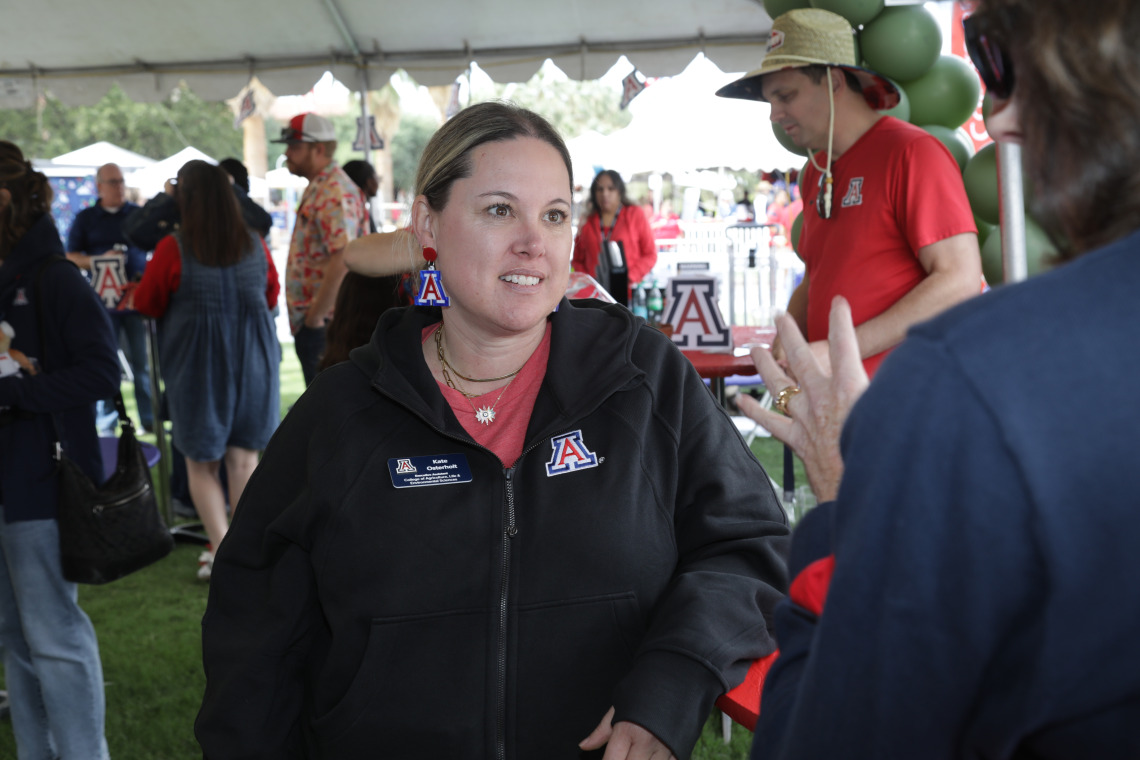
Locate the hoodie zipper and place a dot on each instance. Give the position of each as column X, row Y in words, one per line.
column 510, row 530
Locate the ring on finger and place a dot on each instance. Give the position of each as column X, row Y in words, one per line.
column 783, row 397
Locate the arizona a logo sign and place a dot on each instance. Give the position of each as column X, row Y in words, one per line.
column 695, row 316
column 109, row 278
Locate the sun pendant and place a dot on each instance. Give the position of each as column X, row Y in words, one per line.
column 485, row 415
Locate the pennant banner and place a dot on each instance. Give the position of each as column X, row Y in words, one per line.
column 631, row 87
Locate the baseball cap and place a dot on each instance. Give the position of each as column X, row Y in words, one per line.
column 307, row 128
column 813, row 36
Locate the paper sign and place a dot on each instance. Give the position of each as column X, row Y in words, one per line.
column 108, row 276
column 691, row 309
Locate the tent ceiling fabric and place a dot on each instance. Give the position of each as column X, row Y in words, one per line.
column 215, row 45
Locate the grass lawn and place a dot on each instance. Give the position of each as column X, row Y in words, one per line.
column 148, row 627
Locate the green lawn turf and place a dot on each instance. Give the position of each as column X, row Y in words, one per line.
column 148, row 628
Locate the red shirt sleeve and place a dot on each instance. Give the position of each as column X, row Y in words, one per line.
column 161, row 278
column 586, row 246
column 643, row 258
column 273, row 283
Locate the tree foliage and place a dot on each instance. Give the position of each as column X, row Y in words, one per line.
column 407, row 146
column 152, row 129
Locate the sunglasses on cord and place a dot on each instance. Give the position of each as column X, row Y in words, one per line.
column 991, row 61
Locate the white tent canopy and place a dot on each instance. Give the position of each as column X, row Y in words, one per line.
column 97, row 154
column 679, row 125
column 151, row 180
column 217, row 45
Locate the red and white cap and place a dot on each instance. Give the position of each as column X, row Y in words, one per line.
column 307, row 128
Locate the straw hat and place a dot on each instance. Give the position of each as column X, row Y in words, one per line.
column 809, row 36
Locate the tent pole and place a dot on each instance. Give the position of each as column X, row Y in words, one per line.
column 364, row 114
column 1012, row 212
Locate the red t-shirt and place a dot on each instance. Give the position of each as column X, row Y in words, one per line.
column 163, row 275
column 505, row 436
column 897, row 189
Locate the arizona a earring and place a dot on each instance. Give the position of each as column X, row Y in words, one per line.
column 431, row 283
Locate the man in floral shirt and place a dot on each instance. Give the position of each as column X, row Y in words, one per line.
column 331, row 215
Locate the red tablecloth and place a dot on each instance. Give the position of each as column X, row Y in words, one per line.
column 739, row 362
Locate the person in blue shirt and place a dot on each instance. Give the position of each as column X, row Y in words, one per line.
column 96, row 230
column 967, row 586
column 52, row 668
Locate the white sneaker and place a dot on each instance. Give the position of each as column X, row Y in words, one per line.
column 205, row 566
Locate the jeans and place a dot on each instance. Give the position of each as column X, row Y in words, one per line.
column 51, row 658
column 310, row 344
column 131, row 333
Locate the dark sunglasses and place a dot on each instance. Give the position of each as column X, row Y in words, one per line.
column 991, row 61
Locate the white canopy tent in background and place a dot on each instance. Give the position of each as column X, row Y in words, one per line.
column 215, row 46
column 679, row 126
column 150, row 180
column 97, row 154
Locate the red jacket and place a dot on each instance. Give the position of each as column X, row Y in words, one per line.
column 632, row 229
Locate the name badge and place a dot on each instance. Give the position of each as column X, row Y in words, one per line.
column 438, row 470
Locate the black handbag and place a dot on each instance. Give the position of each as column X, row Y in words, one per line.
column 112, row 530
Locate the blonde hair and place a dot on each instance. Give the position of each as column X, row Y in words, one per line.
column 447, row 157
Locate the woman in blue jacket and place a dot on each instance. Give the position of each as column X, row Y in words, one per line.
column 51, row 658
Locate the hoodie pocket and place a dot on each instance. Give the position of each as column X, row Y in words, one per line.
column 419, row 691
column 572, row 653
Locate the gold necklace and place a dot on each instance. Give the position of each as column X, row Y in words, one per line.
column 448, row 366
column 484, row 415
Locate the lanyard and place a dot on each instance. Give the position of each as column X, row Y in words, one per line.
column 602, row 229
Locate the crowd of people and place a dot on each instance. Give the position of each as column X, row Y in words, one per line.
column 502, row 523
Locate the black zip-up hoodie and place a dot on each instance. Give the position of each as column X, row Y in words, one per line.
column 630, row 557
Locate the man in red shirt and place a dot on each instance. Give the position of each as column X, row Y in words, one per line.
column 886, row 220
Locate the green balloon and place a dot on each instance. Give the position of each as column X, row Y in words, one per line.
column 786, row 140
column 952, row 139
column 984, row 230
column 1040, row 252
column 946, row 95
column 981, row 181
column 797, row 228
column 902, row 42
column 964, row 136
column 980, row 178
column 855, row 11
column 776, row 8
column 902, row 110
